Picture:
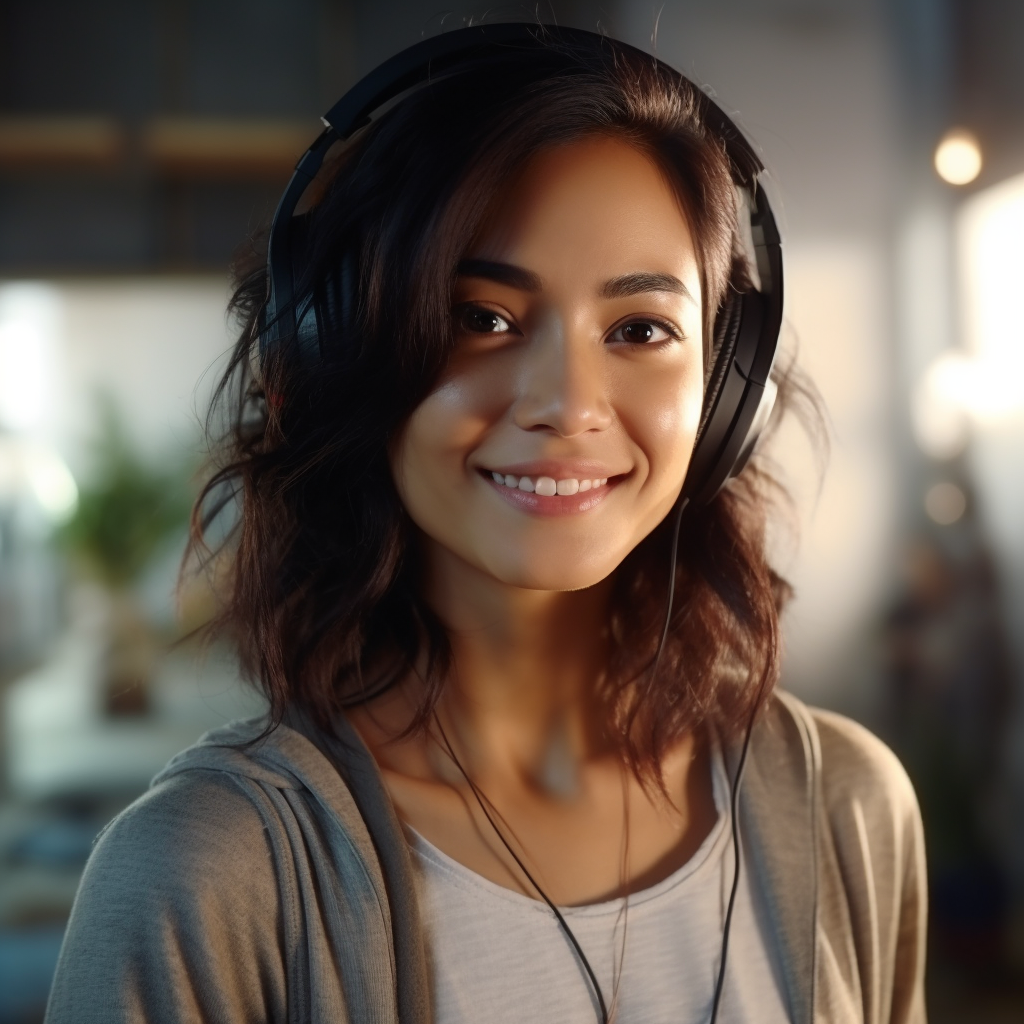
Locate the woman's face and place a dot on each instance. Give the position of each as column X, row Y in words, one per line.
column 560, row 433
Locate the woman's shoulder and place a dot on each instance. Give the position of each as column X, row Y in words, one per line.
column 221, row 811
column 871, row 880
column 179, row 907
column 198, row 893
column 857, row 763
column 858, row 773
column 197, row 824
column 195, row 848
column 202, row 810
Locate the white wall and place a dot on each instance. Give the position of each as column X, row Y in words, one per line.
column 149, row 343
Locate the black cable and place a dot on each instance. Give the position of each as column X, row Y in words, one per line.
column 737, row 779
column 522, row 867
column 733, row 806
column 671, row 587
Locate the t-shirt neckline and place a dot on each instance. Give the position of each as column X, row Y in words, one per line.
column 706, row 854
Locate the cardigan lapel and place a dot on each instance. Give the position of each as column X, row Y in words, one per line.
column 778, row 812
column 346, row 750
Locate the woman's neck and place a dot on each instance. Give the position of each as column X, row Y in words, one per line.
column 523, row 695
column 521, row 712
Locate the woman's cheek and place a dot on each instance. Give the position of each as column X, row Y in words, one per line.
column 472, row 395
column 429, row 460
column 664, row 417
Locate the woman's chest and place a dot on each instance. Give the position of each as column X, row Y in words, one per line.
column 611, row 837
column 494, row 954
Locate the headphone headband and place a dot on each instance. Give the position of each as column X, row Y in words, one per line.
column 740, row 393
column 441, row 54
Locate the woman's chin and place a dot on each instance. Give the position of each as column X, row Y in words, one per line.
column 553, row 574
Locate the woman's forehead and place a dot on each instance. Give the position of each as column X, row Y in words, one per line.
column 598, row 208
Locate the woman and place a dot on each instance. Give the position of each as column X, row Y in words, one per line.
column 518, row 645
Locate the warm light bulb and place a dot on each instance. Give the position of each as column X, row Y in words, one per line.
column 958, row 157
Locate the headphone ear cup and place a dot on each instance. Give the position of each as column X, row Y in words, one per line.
column 757, row 427
column 730, row 420
column 723, row 346
column 334, row 303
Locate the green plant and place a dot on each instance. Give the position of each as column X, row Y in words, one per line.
column 128, row 509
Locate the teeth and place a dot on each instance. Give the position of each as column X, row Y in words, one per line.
column 546, row 486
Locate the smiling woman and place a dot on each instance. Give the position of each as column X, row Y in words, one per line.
column 519, row 643
column 576, row 377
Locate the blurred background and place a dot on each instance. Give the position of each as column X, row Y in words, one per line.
column 141, row 141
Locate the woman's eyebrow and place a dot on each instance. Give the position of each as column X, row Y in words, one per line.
column 615, row 288
column 642, row 281
column 504, row 273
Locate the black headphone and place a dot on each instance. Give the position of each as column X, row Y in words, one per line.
column 740, row 393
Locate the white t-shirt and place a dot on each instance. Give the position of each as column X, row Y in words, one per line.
column 498, row 956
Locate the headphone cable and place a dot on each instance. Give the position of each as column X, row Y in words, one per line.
column 522, row 867
column 737, row 779
column 734, row 821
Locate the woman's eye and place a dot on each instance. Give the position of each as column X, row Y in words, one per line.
column 478, row 320
column 643, row 332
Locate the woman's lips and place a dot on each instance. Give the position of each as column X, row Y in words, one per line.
column 546, row 503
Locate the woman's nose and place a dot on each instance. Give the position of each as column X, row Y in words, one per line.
column 563, row 383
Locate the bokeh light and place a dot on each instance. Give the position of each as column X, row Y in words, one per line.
column 958, row 157
column 945, row 503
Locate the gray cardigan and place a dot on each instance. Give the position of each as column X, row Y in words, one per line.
column 273, row 883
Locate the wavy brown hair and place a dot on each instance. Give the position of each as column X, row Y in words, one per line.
column 323, row 598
